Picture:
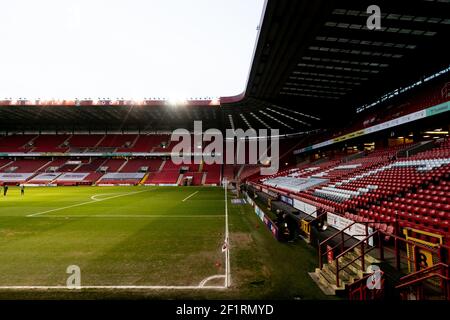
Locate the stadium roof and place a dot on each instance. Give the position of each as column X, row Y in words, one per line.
column 315, row 63
column 107, row 118
column 319, row 58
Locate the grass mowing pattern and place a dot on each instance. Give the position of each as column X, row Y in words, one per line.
column 137, row 236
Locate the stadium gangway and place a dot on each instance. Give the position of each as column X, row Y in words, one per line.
column 362, row 243
column 441, row 252
column 340, row 244
column 377, row 234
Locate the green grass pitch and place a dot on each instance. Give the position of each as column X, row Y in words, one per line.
column 144, row 237
column 117, row 236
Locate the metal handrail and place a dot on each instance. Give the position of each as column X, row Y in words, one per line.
column 355, row 222
column 357, row 244
column 412, row 282
column 320, row 244
column 364, row 279
column 340, row 244
column 363, row 253
column 310, row 214
column 396, row 237
column 341, row 232
column 315, row 218
column 337, row 233
column 438, row 266
column 361, row 284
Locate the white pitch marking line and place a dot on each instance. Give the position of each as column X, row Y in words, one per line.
column 227, row 243
column 95, row 196
column 201, row 286
column 204, row 281
column 111, row 287
column 191, row 195
column 83, row 203
column 131, row 216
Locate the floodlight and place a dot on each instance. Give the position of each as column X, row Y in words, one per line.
column 176, row 101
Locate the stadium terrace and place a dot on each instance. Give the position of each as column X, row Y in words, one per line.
column 315, row 167
column 252, row 147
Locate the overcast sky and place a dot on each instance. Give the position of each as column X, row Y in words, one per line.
column 126, row 48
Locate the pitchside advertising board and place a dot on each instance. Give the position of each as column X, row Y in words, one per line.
column 262, row 216
column 305, row 207
column 12, row 177
column 72, row 176
column 269, row 224
column 124, row 175
column 257, row 187
column 357, row 230
column 259, row 213
column 250, row 200
column 269, row 192
column 50, row 176
column 440, row 108
column 287, row 200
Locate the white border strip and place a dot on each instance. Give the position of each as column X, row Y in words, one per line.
column 111, row 287
column 191, row 195
column 227, row 242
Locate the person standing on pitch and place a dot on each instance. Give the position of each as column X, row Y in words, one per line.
column 5, row 189
column 22, row 189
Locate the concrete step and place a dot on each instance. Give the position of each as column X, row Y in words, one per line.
column 354, row 267
column 347, row 274
column 343, row 278
column 326, row 277
column 356, row 253
column 368, row 257
column 331, row 274
column 325, row 289
column 328, row 280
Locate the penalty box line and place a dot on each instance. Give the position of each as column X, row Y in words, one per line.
column 84, row 203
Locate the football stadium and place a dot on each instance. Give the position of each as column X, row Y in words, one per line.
column 321, row 173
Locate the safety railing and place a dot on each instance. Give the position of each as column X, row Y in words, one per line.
column 341, row 242
column 362, row 244
column 416, row 279
column 360, row 290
